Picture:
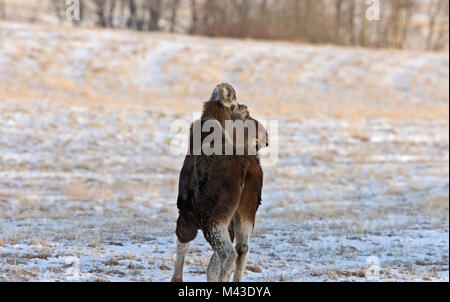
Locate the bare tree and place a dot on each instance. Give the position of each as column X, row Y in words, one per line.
column 155, row 14
column 100, row 6
column 2, row 10
column 242, row 7
column 315, row 21
column 59, row 9
column 132, row 20
column 338, row 21
column 263, row 7
column 173, row 15
column 443, row 35
column 111, row 13
column 351, row 22
column 399, row 22
column 437, row 15
column 193, row 28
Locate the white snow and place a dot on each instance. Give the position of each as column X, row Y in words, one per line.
column 88, row 185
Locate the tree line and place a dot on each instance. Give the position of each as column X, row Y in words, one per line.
column 343, row 22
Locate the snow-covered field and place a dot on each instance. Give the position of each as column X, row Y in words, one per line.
column 88, row 186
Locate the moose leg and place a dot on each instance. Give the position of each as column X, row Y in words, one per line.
column 243, row 230
column 213, row 270
column 181, row 252
column 220, row 241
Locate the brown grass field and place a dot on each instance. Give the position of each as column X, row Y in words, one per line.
column 88, row 184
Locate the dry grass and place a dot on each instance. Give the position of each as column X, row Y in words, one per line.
column 83, row 191
column 10, row 239
column 261, row 89
column 78, row 190
column 355, row 112
column 89, row 176
column 437, row 206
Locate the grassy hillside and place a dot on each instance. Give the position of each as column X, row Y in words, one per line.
column 88, row 184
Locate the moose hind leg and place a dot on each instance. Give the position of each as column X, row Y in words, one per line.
column 243, row 231
column 220, row 241
column 213, row 270
column 179, row 262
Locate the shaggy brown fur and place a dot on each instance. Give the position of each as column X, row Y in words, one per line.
column 219, row 192
column 191, row 213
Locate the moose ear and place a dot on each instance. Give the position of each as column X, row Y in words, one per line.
column 224, row 93
column 227, row 95
column 216, row 94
